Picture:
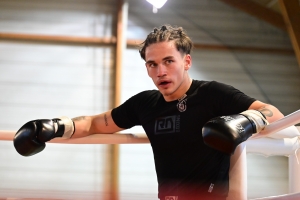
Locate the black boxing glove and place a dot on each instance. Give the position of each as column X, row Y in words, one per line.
column 31, row 138
column 225, row 133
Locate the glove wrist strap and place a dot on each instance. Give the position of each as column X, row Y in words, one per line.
column 65, row 127
column 69, row 127
column 258, row 118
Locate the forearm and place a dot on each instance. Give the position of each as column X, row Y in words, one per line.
column 96, row 124
column 82, row 126
column 88, row 125
column 271, row 112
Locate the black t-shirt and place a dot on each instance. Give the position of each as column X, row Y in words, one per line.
column 185, row 166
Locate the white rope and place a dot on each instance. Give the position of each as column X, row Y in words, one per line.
column 92, row 139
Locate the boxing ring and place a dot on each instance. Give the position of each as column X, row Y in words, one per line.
column 279, row 138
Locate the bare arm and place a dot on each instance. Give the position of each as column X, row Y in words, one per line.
column 88, row 125
column 271, row 112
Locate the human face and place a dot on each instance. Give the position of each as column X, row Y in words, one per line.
column 167, row 67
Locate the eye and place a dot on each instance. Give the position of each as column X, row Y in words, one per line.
column 169, row 61
column 151, row 65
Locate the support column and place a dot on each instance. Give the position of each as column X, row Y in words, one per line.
column 121, row 26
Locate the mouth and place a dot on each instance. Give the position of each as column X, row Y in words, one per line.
column 164, row 83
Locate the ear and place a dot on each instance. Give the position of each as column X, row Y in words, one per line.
column 187, row 62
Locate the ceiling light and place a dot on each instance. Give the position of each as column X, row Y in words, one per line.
column 157, row 4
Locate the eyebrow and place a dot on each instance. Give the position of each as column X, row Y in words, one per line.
column 165, row 58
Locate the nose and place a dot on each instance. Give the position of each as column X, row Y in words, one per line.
column 161, row 70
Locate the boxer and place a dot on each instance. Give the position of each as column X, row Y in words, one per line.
column 193, row 125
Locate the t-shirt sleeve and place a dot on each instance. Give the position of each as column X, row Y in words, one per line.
column 229, row 100
column 126, row 115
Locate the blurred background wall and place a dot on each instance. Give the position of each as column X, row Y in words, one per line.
column 59, row 58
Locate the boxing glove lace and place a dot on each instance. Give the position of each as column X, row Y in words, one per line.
column 31, row 138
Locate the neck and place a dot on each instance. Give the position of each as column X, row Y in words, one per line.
column 181, row 90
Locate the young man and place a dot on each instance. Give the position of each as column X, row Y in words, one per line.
column 174, row 118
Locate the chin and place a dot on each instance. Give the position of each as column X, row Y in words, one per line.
column 166, row 93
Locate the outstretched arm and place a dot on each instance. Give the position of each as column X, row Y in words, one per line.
column 31, row 138
column 88, row 125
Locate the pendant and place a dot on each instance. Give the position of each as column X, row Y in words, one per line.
column 181, row 105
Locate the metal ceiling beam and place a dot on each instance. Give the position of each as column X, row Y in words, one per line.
column 258, row 11
column 291, row 13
